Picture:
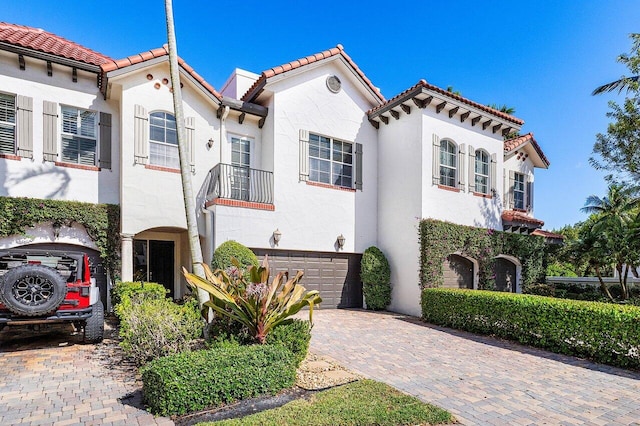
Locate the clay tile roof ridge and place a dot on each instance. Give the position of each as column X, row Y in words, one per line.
column 298, row 63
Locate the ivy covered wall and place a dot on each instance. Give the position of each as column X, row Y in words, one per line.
column 101, row 221
column 440, row 239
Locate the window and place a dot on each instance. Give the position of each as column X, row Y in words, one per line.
column 79, row 136
column 482, row 172
column 330, row 161
column 241, row 160
column 518, row 190
column 448, row 157
column 163, row 140
column 7, row 124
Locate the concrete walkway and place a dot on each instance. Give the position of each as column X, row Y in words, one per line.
column 481, row 380
column 53, row 379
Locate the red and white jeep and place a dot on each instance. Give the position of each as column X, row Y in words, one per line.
column 46, row 286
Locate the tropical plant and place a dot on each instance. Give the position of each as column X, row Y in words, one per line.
column 252, row 301
column 375, row 275
column 631, row 61
column 503, row 108
column 185, row 166
column 612, row 234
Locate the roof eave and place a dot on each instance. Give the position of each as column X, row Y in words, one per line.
column 60, row 60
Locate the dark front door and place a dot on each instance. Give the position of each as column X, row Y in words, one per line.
column 154, row 262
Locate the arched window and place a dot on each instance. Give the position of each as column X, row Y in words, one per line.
column 482, row 172
column 163, row 140
column 448, row 163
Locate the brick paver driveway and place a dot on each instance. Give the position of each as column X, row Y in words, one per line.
column 53, row 379
column 480, row 380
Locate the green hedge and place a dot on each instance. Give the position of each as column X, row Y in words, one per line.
column 603, row 332
column 193, row 381
column 375, row 274
column 229, row 249
column 122, row 292
column 294, row 336
column 440, row 239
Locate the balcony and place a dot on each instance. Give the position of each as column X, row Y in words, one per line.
column 248, row 187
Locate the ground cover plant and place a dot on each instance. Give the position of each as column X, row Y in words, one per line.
column 363, row 403
column 603, row 332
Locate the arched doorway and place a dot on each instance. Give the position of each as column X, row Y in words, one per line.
column 458, row 272
column 507, row 271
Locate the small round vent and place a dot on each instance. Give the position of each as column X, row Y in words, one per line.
column 334, row 84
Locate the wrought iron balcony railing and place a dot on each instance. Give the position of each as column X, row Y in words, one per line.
column 240, row 183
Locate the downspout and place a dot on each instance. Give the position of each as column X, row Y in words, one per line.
column 209, row 237
column 223, row 116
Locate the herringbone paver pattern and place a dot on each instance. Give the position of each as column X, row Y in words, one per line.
column 57, row 381
column 481, row 380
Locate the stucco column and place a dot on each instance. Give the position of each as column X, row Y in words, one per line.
column 127, row 257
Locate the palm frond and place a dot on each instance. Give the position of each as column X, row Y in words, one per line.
column 625, row 83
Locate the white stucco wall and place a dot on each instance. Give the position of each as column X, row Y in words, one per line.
column 462, row 207
column 36, row 178
column 310, row 217
column 238, row 83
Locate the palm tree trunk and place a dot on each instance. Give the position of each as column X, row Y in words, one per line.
column 603, row 286
column 185, row 167
column 625, row 289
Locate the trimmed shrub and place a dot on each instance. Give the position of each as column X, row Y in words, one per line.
column 193, row 381
column 230, row 249
column 155, row 327
column 123, row 291
column 541, row 290
column 603, row 332
column 375, row 275
column 294, row 336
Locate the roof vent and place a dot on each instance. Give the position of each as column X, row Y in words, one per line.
column 334, row 84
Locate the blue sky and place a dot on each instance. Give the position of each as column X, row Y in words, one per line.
column 543, row 58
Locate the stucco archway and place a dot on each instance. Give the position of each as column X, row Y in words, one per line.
column 460, row 271
column 508, row 273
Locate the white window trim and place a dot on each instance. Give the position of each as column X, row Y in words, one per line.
column 8, row 124
column 332, row 161
column 455, row 167
column 94, row 138
column 487, row 176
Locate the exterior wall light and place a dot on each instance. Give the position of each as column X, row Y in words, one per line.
column 210, row 143
column 276, row 236
column 340, row 241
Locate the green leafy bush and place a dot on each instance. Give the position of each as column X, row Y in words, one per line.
column 122, row 292
column 541, row 290
column 154, row 327
column 603, row 332
column 192, row 381
column 233, row 249
column 375, row 275
column 294, row 336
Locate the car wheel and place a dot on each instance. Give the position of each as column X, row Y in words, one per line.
column 94, row 326
column 32, row 290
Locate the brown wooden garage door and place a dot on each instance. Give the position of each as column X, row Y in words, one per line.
column 335, row 275
column 458, row 272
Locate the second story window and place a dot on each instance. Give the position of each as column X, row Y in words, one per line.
column 519, row 191
column 79, row 136
column 7, row 124
column 163, row 140
column 448, row 163
column 482, row 172
column 330, row 161
column 241, row 160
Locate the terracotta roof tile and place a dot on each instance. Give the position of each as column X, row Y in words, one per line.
column 158, row 53
column 423, row 83
column 281, row 69
column 511, row 144
column 547, row 234
column 46, row 42
column 517, row 216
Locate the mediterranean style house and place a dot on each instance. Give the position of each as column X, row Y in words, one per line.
column 306, row 162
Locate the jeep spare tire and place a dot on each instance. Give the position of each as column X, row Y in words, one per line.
column 32, row 290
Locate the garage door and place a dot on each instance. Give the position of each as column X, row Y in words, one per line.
column 335, row 275
column 458, row 272
column 95, row 261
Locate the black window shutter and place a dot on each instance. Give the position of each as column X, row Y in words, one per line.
column 359, row 166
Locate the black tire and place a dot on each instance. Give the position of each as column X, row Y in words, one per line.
column 94, row 326
column 32, row 290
